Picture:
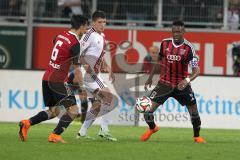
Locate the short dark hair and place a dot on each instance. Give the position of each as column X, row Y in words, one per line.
column 77, row 21
column 98, row 14
column 178, row 23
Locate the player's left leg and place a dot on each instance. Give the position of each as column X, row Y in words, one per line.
column 186, row 97
column 63, row 124
column 104, row 131
column 196, row 122
column 68, row 101
column 52, row 112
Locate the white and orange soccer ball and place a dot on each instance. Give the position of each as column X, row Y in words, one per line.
column 143, row 104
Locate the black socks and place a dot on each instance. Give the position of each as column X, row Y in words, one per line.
column 149, row 118
column 196, row 122
column 41, row 116
column 63, row 123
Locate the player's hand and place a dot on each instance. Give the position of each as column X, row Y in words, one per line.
column 111, row 77
column 148, row 83
column 182, row 85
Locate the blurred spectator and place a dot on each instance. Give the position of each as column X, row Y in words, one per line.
column 195, row 11
column 51, row 8
column 150, row 59
column 233, row 15
column 172, row 10
column 110, row 7
column 14, row 7
column 236, row 58
column 233, row 19
column 137, row 10
column 70, row 7
column 39, row 8
column 86, row 6
column 215, row 10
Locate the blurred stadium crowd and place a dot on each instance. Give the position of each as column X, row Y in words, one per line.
column 195, row 13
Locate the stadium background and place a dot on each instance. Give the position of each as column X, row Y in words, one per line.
column 28, row 26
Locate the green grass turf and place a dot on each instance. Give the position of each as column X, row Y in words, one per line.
column 167, row 144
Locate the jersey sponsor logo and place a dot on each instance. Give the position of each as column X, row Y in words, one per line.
column 172, row 58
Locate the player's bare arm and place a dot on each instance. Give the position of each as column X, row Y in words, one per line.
column 108, row 69
column 78, row 77
column 149, row 80
column 191, row 77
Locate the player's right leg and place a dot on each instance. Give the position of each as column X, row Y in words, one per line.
column 90, row 118
column 64, row 122
column 24, row 125
column 149, row 119
column 158, row 96
column 186, row 98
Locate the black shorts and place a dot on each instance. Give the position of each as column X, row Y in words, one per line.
column 56, row 94
column 163, row 91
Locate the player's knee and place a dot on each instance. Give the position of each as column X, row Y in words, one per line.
column 67, row 102
column 83, row 96
column 73, row 111
column 53, row 111
column 96, row 106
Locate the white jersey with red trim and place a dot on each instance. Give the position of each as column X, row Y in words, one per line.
column 92, row 49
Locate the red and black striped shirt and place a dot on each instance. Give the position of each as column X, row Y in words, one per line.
column 174, row 60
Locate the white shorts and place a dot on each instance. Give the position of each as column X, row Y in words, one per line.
column 92, row 82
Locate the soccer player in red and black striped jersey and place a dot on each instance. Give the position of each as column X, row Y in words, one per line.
column 64, row 54
column 175, row 55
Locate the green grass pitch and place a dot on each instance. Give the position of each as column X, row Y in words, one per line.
column 167, row 144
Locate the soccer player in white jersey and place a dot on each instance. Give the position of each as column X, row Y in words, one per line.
column 92, row 50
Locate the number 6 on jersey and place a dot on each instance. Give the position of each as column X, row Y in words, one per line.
column 56, row 50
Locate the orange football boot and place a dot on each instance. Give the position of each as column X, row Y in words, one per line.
column 23, row 130
column 199, row 140
column 148, row 133
column 54, row 138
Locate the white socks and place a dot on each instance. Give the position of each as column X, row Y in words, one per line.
column 104, row 123
column 90, row 118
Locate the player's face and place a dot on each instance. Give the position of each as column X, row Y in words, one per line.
column 153, row 53
column 83, row 29
column 99, row 24
column 177, row 34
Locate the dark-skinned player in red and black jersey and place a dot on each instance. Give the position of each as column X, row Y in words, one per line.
column 64, row 54
column 175, row 55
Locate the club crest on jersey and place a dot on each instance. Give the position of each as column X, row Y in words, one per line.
column 167, row 49
column 182, row 51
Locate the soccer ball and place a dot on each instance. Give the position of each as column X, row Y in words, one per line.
column 143, row 104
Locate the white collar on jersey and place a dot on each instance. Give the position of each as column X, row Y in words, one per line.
column 177, row 45
column 74, row 34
